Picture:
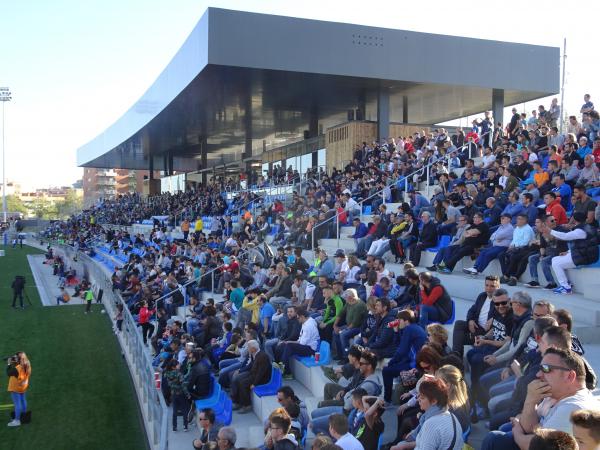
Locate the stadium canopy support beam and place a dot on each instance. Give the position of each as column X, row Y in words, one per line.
column 405, row 109
column 498, row 106
column 383, row 113
column 247, row 128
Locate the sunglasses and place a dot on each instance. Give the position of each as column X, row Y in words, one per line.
column 547, row 368
column 501, row 303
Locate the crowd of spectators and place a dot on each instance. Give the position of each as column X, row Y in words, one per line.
column 529, row 201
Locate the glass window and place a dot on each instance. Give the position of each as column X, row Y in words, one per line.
column 322, row 158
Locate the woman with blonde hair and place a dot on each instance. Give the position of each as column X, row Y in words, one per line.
column 458, row 394
column 438, row 336
column 18, row 371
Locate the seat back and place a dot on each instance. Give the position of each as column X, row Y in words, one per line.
column 444, row 240
column 325, row 350
column 466, row 434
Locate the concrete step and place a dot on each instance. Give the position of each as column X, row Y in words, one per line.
column 583, row 303
column 331, row 245
column 586, row 312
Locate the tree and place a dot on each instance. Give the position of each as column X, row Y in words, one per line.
column 14, row 204
column 70, row 205
column 44, row 209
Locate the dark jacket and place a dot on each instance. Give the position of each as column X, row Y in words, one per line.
column 285, row 288
column 585, row 251
column 429, row 235
column 292, row 331
column 380, row 230
column 260, row 372
column 492, row 215
column 199, row 380
column 412, row 339
column 475, row 310
column 441, row 300
column 360, row 231
column 300, row 265
column 383, row 336
column 287, row 443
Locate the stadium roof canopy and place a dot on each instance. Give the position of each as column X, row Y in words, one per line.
column 244, row 82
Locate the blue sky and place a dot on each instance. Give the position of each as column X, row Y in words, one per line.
column 75, row 67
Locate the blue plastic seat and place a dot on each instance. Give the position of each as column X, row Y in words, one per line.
column 325, row 356
column 443, row 241
column 466, row 434
column 367, row 209
column 272, row 386
column 227, row 414
column 213, row 398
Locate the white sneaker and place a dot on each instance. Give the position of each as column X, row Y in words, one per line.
column 470, row 271
column 14, row 423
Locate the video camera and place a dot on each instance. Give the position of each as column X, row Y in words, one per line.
column 12, row 359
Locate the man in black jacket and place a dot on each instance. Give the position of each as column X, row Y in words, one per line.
column 381, row 341
column 428, row 237
column 289, row 332
column 242, row 384
column 17, row 286
column 476, row 236
column 197, row 378
column 477, row 317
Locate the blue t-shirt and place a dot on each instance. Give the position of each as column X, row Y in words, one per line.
column 565, row 196
column 267, row 311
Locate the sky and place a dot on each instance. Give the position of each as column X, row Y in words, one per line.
column 74, row 67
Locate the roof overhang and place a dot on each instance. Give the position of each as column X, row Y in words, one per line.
column 284, row 69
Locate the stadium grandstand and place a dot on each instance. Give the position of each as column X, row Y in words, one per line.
column 322, row 263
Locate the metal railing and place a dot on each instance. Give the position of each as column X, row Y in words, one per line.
column 151, row 401
column 419, row 171
column 211, row 272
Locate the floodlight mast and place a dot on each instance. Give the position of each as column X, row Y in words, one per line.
column 5, row 96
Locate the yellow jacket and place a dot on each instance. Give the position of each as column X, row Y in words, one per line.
column 20, row 383
column 199, row 225
column 251, row 305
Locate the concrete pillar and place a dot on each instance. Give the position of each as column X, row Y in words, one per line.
column 383, row 113
column 498, row 106
column 405, row 109
column 204, row 158
column 313, row 121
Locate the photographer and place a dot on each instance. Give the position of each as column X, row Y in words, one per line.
column 18, row 285
column 18, row 371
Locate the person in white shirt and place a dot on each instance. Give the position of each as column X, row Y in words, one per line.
column 488, row 159
column 352, row 207
column 306, row 345
column 559, row 390
column 338, row 429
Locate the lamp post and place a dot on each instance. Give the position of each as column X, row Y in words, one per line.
column 5, row 96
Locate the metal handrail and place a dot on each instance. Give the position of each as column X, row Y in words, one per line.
column 193, row 280
column 406, row 177
column 336, row 216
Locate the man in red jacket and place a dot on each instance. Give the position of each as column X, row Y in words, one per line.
column 554, row 208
